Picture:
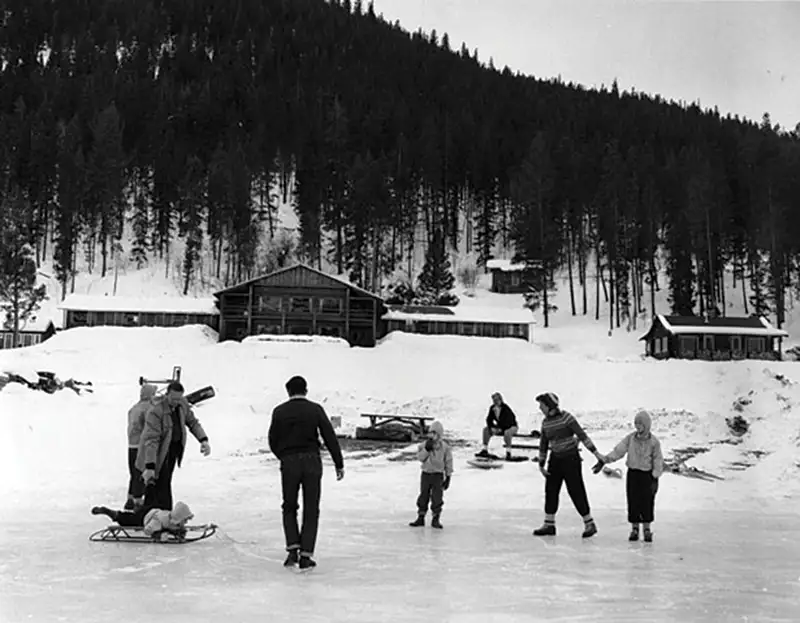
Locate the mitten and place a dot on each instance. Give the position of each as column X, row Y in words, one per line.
column 429, row 445
column 446, row 483
column 598, row 467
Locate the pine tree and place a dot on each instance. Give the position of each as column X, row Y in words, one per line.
column 436, row 282
column 20, row 297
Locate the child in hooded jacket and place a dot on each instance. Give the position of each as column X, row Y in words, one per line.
column 155, row 522
column 135, row 426
column 645, row 465
column 436, row 458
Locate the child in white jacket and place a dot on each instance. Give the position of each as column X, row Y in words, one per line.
column 155, row 522
column 436, row 458
column 645, row 465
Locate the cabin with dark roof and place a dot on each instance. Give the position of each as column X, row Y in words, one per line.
column 713, row 339
column 511, row 278
column 300, row 300
column 33, row 331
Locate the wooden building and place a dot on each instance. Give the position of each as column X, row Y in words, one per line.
column 33, row 331
column 118, row 311
column 511, row 278
column 300, row 300
column 713, row 339
column 464, row 321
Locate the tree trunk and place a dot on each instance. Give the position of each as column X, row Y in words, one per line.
column 598, row 277
column 569, row 270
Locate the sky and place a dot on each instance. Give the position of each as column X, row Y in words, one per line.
column 742, row 57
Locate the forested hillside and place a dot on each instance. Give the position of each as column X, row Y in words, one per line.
column 185, row 118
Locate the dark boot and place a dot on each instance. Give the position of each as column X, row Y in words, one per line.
column 129, row 505
column 483, row 454
column 306, row 562
column 546, row 530
column 648, row 536
column 634, row 535
column 104, row 510
column 418, row 522
column 292, row 558
column 590, row 530
column 436, row 523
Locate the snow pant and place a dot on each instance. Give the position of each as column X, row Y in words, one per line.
column 304, row 471
column 641, row 489
column 567, row 470
column 431, row 491
column 162, row 488
column 133, row 519
column 135, row 483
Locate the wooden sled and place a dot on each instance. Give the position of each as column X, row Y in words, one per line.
column 126, row 534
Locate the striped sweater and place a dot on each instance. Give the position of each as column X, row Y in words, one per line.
column 560, row 434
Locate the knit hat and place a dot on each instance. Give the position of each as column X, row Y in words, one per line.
column 549, row 400
column 147, row 391
column 437, row 428
column 643, row 417
column 181, row 512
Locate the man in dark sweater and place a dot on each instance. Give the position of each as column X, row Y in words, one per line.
column 500, row 421
column 560, row 435
column 294, row 439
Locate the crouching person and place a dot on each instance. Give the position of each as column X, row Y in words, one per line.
column 645, row 465
column 436, row 457
column 153, row 521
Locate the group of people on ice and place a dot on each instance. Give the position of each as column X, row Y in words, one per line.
column 560, row 435
column 158, row 425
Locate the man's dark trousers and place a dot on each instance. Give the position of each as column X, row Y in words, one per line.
column 162, row 489
column 301, row 470
column 565, row 470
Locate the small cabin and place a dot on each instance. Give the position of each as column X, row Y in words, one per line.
column 713, row 339
column 33, row 331
column 83, row 310
column 511, row 278
column 466, row 321
column 300, row 300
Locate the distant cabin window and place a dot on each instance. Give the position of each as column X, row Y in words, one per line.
column 131, row 320
column 654, row 346
column 78, row 318
column 708, row 342
column 300, row 304
column 755, row 345
column 8, row 340
column 516, row 279
column 467, row 328
column 688, row 345
column 736, row 343
column 270, row 303
column 330, row 306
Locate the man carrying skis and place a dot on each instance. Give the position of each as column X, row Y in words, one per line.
column 560, row 434
column 163, row 442
column 294, row 438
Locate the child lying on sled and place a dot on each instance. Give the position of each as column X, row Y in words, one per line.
column 156, row 522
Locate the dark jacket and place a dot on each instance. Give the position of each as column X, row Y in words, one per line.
column 295, row 429
column 158, row 431
column 506, row 420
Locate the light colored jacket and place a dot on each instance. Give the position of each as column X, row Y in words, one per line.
column 440, row 459
column 644, row 451
column 157, row 432
column 158, row 520
column 136, row 414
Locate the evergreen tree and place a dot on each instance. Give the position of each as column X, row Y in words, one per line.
column 20, row 297
column 436, row 281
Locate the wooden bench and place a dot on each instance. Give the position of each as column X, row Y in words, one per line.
column 417, row 422
column 526, row 446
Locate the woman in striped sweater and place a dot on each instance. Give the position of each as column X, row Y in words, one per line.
column 560, row 435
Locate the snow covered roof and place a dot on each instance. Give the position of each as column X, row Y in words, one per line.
column 505, row 266
column 466, row 313
column 682, row 325
column 163, row 304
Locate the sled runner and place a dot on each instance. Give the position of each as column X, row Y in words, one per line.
column 125, row 534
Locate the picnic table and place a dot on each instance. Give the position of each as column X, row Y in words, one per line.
column 417, row 422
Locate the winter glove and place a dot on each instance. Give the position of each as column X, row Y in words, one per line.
column 340, row 473
column 149, row 476
column 446, row 483
column 429, row 445
column 205, row 448
column 598, row 467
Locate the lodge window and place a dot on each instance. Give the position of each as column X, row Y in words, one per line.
column 131, row 320
column 302, row 329
column 300, row 304
column 755, row 345
column 516, row 279
column 268, row 329
column 330, row 331
column 270, row 303
column 688, row 345
column 330, row 306
column 467, row 328
column 78, row 318
column 708, row 342
column 736, row 343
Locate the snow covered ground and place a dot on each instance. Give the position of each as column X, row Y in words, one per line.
column 724, row 550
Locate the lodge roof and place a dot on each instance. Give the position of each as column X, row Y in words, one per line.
column 341, row 280
column 698, row 325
